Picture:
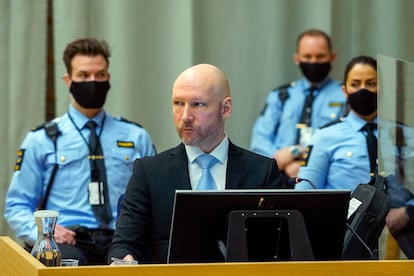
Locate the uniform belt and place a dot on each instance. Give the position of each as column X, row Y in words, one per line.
column 83, row 233
column 87, row 234
column 101, row 232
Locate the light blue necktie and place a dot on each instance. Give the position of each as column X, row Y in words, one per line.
column 206, row 182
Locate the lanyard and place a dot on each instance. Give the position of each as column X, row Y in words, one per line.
column 80, row 132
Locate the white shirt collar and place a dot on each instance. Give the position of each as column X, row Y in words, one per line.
column 220, row 152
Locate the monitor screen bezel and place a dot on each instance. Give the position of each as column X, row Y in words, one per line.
column 199, row 217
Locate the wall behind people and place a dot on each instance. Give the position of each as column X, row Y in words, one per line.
column 152, row 41
column 22, row 81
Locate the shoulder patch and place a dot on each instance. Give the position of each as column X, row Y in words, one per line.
column 19, row 160
column 334, row 122
column 122, row 119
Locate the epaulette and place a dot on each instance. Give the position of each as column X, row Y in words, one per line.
column 283, row 91
column 122, row 119
column 284, row 86
column 42, row 126
column 333, row 122
column 52, row 130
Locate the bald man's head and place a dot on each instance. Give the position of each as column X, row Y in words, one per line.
column 201, row 104
column 207, row 77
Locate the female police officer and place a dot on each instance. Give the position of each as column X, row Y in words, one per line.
column 339, row 157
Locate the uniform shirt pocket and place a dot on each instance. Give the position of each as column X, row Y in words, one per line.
column 121, row 158
column 350, row 157
column 74, row 166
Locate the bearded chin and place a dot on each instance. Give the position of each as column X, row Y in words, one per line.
column 199, row 137
column 189, row 141
column 185, row 141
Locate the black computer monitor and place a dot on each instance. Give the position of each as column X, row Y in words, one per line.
column 199, row 225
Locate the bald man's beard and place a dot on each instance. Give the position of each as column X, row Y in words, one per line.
column 201, row 137
column 198, row 136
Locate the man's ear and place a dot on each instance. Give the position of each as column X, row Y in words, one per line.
column 296, row 58
column 67, row 80
column 227, row 107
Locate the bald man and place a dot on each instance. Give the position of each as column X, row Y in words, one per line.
column 201, row 103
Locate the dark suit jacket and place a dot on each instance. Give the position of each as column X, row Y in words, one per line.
column 145, row 218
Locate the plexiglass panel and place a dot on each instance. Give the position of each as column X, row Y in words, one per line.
column 396, row 144
column 396, row 119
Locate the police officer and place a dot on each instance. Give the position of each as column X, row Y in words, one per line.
column 340, row 157
column 87, row 181
column 292, row 111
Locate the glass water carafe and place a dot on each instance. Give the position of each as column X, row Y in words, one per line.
column 45, row 249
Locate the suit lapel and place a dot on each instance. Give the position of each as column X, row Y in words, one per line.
column 235, row 164
column 178, row 164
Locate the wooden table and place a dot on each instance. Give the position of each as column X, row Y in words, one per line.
column 14, row 260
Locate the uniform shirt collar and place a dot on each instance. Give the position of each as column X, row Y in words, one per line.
column 80, row 120
column 357, row 123
column 320, row 85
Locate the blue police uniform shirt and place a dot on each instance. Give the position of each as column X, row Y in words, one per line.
column 276, row 127
column 339, row 156
column 122, row 143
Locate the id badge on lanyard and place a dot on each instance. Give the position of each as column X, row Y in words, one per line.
column 305, row 134
column 96, row 193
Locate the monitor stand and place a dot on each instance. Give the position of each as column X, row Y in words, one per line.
column 266, row 235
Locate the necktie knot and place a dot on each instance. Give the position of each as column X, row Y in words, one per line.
column 91, row 125
column 312, row 91
column 370, row 127
column 206, row 161
column 206, row 182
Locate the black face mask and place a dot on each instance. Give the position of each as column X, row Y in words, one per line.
column 90, row 94
column 315, row 72
column 363, row 102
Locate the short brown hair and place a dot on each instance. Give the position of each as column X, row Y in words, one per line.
column 87, row 47
column 314, row 32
